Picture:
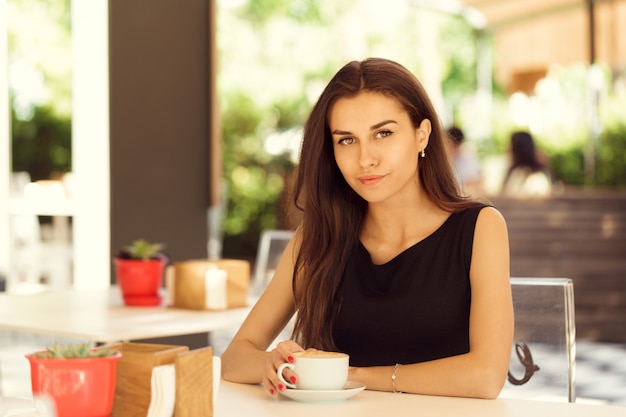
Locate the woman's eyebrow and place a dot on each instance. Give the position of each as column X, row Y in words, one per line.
column 381, row 124
column 373, row 127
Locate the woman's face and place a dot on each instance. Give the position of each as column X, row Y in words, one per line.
column 376, row 146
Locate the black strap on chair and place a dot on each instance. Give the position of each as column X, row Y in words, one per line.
column 526, row 359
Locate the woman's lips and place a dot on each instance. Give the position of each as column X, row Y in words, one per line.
column 370, row 179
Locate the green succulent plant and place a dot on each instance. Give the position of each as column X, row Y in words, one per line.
column 74, row 351
column 142, row 249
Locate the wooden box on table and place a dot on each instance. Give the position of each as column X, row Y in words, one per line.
column 193, row 385
column 208, row 285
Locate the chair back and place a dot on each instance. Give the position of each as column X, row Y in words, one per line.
column 272, row 243
column 543, row 359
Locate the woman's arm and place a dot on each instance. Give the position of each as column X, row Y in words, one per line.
column 482, row 372
column 246, row 358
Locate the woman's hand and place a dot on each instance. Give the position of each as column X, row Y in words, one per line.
column 282, row 353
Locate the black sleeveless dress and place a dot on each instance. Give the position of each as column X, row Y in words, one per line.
column 414, row 308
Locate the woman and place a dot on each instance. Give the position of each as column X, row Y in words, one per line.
column 389, row 264
column 528, row 175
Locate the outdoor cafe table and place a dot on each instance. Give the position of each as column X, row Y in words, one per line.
column 241, row 400
column 99, row 316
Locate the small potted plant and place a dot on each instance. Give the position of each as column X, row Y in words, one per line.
column 80, row 380
column 139, row 270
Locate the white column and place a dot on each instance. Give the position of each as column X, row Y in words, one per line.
column 5, row 143
column 90, row 144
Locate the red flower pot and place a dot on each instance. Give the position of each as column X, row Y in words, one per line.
column 140, row 280
column 82, row 387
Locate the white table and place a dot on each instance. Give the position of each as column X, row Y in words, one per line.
column 100, row 316
column 241, row 400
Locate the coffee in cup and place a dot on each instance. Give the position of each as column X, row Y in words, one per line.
column 317, row 370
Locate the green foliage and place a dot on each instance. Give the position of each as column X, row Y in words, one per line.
column 567, row 165
column 142, row 249
column 74, row 351
column 254, row 178
column 292, row 111
column 566, row 154
column 39, row 58
column 611, row 156
column 39, row 55
column 459, row 69
column 260, row 11
column 41, row 144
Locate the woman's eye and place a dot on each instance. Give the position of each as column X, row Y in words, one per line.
column 383, row 133
column 346, row 141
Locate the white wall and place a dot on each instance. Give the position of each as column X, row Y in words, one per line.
column 5, row 160
column 90, row 144
column 90, row 202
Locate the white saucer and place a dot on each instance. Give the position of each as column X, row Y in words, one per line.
column 349, row 390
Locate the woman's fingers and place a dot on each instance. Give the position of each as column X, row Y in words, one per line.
column 283, row 353
column 270, row 380
column 286, row 350
column 269, row 387
column 289, row 376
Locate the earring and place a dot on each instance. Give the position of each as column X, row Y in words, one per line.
column 423, row 153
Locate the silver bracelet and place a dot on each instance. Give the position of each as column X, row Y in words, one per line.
column 393, row 379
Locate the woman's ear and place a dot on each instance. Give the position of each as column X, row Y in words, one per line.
column 423, row 133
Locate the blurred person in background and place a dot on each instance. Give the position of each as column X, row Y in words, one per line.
column 465, row 163
column 528, row 174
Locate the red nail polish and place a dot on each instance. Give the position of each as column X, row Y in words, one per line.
column 272, row 392
column 293, row 379
column 291, row 359
column 281, row 387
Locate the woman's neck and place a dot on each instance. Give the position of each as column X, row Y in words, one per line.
column 390, row 229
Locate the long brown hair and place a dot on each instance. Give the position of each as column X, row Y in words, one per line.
column 333, row 213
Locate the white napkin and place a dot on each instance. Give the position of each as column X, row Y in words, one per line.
column 163, row 388
column 162, row 391
column 215, row 284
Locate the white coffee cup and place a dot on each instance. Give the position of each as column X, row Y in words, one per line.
column 317, row 370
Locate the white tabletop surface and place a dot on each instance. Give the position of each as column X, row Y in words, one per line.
column 100, row 316
column 242, row 400
column 239, row 400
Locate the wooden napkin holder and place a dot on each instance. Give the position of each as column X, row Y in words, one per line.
column 194, row 389
column 189, row 285
column 134, row 373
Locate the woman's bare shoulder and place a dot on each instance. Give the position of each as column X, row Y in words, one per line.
column 489, row 215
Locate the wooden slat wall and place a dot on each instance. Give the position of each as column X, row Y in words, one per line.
column 579, row 235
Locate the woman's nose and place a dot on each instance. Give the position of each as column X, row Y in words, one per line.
column 368, row 157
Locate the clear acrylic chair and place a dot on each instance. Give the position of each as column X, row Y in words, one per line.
column 543, row 359
column 272, row 243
